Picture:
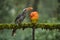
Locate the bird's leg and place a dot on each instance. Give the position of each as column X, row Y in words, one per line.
column 23, row 27
column 20, row 25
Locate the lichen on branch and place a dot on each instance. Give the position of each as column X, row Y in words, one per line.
column 29, row 25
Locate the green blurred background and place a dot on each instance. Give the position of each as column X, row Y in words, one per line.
column 49, row 12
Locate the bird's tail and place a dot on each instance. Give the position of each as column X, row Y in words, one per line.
column 14, row 32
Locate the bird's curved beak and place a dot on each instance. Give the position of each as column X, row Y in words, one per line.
column 29, row 8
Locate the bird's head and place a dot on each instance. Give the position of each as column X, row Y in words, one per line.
column 29, row 8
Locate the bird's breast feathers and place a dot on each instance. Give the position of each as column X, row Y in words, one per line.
column 34, row 15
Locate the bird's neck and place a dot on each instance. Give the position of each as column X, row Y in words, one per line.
column 24, row 11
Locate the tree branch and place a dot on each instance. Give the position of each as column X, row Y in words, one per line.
column 29, row 25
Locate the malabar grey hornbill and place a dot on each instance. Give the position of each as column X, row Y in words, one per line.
column 19, row 19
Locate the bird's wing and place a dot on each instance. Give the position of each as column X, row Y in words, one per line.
column 17, row 17
column 21, row 17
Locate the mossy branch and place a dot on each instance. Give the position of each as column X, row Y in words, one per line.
column 28, row 25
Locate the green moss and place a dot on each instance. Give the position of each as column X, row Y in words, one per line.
column 29, row 25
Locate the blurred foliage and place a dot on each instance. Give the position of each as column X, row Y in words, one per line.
column 48, row 13
column 6, row 10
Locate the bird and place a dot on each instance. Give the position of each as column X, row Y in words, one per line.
column 34, row 16
column 19, row 19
